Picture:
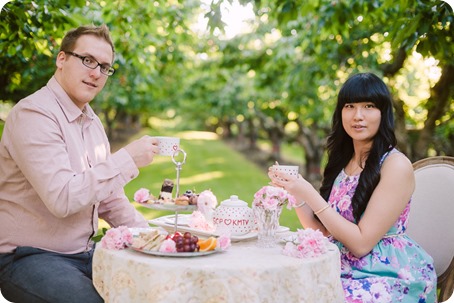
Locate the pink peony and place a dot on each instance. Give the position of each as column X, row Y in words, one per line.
column 309, row 244
column 142, row 195
column 117, row 238
column 206, row 201
column 168, row 246
column 223, row 242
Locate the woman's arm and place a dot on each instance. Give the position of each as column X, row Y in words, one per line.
column 387, row 202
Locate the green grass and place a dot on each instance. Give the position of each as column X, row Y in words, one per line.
column 210, row 164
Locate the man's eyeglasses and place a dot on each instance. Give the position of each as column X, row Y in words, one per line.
column 89, row 62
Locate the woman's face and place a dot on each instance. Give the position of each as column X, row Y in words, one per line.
column 361, row 121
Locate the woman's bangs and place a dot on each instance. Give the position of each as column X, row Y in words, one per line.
column 361, row 92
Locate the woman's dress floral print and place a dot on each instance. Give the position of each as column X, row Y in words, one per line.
column 396, row 270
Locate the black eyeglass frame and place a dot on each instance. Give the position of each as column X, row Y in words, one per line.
column 110, row 70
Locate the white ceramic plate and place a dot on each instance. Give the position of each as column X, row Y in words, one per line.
column 282, row 229
column 137, row 230
column 172, row 207
column 176, row 254
column 162, row 222
column 182, row 219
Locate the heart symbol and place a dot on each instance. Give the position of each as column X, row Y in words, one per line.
column 228, row 221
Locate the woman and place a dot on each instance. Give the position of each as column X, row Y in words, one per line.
column 368, row 185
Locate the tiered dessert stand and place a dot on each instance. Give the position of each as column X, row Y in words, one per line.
column 174, row 207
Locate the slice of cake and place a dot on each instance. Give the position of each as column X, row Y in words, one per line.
column 166, row 192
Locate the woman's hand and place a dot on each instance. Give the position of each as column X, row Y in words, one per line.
column 302, row 190
column 296, row 186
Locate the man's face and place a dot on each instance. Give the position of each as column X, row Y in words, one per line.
column 82, row 83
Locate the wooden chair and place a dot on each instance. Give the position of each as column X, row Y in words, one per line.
column 431, row 218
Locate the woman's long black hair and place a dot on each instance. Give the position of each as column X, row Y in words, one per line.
column 363, row 87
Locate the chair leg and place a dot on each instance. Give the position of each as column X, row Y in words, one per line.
column 446, row 283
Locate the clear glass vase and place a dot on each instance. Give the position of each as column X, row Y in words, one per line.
column 267, row 225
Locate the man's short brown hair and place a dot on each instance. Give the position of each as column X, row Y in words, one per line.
column 70, row 39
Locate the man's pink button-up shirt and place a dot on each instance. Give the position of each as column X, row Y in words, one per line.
column 57, row 175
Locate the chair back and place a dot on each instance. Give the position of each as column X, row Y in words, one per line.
column 431, row 218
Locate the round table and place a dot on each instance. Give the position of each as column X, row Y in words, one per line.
column 244, row 273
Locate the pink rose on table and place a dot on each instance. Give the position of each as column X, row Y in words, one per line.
column 309, row 244
column 206, row 201
column 117, row 238
column 223, row 242
column 168, row 246
column 142, row 195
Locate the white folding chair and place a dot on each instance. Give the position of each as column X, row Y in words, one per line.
column 431, row 218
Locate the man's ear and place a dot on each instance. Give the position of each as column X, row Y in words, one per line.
column 61, row 57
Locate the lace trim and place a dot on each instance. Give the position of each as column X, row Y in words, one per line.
column 393, row 235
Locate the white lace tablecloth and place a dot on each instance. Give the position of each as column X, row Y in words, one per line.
column 242, row 274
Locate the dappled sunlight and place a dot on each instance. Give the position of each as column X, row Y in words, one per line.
column 198, row 135
column 202, row 178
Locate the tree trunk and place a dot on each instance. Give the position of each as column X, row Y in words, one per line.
column 440, row 96
column 276, row 137
column 313, row 145
column 252, row 134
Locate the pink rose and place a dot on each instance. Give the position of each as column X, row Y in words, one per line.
column 223, row 242
column 309, row 244
column 142, row 195
column 117, row 238
column 126, row 235
column 168, row 246
column 270, row 197
column 206, row 201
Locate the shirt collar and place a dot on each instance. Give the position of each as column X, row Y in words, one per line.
column 71, row 111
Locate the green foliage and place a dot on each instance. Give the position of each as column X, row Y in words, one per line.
column 29, row 40
column 285, row 73
column 101, row 232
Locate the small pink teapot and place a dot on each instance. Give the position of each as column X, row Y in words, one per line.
column 233, row 215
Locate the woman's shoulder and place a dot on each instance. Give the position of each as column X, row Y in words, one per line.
column 397, row 163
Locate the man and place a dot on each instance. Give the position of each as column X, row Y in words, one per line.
column 57, row 177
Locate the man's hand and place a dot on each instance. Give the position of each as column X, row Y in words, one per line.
column 143, row 150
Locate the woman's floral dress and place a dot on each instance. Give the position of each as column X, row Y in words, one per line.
column 396, row 270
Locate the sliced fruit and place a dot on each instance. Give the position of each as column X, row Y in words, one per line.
column 207, row 244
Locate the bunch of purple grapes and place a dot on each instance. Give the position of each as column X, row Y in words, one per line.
column 186, row 242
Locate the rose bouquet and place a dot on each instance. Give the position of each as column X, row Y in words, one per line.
column 267, row 206
column 271, row 197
